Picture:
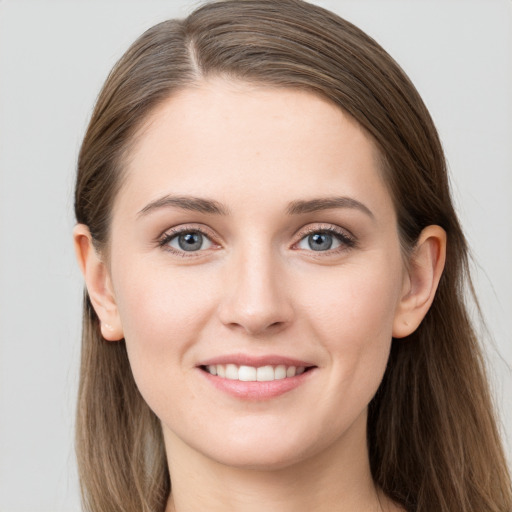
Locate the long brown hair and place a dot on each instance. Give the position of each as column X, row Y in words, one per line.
column 432, row 435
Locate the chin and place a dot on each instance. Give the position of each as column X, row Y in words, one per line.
column 255, row 460
column 263, row 453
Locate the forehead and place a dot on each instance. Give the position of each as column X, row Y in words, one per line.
column 223, row 137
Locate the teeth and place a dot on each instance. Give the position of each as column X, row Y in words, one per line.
column 252, row 374
column 247, row 373
column 232, row 372
column 265, row 373
column 280, row 372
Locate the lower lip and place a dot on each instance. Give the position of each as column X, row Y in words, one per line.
column 257, row 390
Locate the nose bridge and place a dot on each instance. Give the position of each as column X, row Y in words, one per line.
column 255, row 298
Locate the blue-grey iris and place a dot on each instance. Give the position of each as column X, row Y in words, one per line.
column 190, row 241
column 320, row 241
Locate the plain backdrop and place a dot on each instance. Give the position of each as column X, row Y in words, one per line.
column 54, row 56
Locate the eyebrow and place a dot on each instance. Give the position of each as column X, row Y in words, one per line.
column 326, row 203
column 211, row 206
column 196, row 204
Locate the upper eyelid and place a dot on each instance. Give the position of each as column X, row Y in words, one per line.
column 323, row 227
column 187, row 228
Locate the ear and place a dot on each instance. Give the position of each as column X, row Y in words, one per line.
column 426, row 265
column 98, row 282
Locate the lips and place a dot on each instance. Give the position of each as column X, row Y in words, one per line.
column 258, row 378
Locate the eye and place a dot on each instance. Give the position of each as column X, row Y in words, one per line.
column 187, row 241
column 322, row 240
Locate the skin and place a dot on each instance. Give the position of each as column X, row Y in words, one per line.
column 256, row 288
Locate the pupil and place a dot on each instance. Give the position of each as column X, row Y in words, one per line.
column 190, row 241
column 320, row 241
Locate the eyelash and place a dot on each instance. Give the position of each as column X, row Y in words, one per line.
column 347, row 240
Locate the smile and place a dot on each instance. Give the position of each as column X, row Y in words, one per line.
column 245, row 373
column 256, row 378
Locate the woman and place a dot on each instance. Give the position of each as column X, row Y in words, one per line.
column 274, row 315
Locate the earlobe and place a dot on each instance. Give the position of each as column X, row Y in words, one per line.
column 426, row 265
column 98, row 283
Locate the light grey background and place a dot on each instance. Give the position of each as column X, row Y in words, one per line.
column 54, row 56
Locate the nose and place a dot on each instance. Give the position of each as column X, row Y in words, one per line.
column 255, row 298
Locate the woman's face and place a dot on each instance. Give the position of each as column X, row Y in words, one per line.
column 257, row 272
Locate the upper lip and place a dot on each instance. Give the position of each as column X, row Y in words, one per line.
column 255, row 361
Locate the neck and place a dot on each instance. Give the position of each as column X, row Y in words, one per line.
column 337, row 479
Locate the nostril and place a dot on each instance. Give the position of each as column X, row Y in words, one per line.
column 257, row 326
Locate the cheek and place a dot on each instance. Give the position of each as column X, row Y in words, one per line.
column 162, row 313
column 352, row 317
column 358, row 300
